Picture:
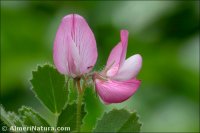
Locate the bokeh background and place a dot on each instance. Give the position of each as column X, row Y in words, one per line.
column 165, row 33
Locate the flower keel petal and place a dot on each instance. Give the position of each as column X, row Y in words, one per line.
column 112, row 91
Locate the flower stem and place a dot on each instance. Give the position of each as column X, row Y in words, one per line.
column 79, row 104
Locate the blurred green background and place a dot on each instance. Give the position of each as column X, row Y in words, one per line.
column 165, row 33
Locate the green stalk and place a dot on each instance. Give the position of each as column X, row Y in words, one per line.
column 79, row 104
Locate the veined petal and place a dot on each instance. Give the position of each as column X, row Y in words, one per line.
column 60, row 50
column 84, row 40
column 74, row 40
column 114, row 57
column 118, row 53
column 124, row 41
column 74, row 60
column 130, row 68
column 112, row 91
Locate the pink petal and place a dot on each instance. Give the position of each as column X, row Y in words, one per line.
column 74, row 60
column 114, row 57
column 75, row 46
column 130, row 68
column 112, row 71
column 60, row 51
column 118, row 53
column 124, row 41
column 112, row 91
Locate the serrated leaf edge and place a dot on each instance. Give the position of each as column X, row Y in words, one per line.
column 31, row 88
column 31, row 109
column 7, row 117
column 115, row 109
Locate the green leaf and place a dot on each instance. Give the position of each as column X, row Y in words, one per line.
column 68, row 116
column 15, row 118
column 31, row 118
column 10, row 118
column 50, row 87
column 118, row 121
column 94, row 109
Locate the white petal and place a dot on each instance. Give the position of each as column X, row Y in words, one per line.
column 130, row 68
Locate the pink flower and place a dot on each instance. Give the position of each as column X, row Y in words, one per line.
column 74, row 51
column 117, row 82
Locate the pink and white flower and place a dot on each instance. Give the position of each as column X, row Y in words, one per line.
column 117, row 82
column 74, row 51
